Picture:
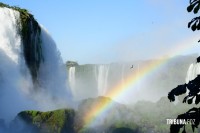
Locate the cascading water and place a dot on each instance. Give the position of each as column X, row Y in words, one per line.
column 102, row 78
column 192, row 72
column 14, row 76
column 22, row 65
column 71, row 77
column 52, row 74
column 10, row 40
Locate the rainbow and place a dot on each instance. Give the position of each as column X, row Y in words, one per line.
column 121, row 89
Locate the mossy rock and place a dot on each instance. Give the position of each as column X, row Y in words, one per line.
column 57, row 121
column 71, row 64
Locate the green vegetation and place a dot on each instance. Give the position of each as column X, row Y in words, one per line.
column 30, row 32
column 142, row 117
column 71, row 64
column 58, row 121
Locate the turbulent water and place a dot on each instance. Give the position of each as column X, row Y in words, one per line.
column 17, row 89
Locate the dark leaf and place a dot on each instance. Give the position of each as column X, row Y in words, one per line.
column 190, row 8
column 197, row 99
column 179, row 90
column 193, row 110
column 194, row 24
column 198, row 25
column 190, row 101
column 193, row 127
column 194, row 27
column 185, row 99
column 194, row 5
column 175, row 128
column 193, row 20
column 196, row 9
column 171, row 98
column 184, row 131
column 189, row 24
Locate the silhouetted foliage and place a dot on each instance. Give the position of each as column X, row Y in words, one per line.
column 193, row 86
column 193, row 95
column 179, row 90
column 193, row 114
column 194, row 5
column 194, row 24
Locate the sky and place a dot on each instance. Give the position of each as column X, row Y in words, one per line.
column 106, row 31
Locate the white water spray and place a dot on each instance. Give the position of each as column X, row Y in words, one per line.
column 52, row 76
column 17, row 91
column 14, row 75
column 192, row 72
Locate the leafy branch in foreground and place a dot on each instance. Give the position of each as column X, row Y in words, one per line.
column 194, row 6
column 193, row 114
column 193, row 95
column 193, row 86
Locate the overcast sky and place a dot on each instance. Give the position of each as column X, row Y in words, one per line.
column 104, row 31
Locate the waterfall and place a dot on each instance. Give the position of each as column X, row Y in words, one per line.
column 10, row 39
column 14, row 75
column 71, row 76
column 102, row 78
column 22, row 62
column 52, row 75
column 193, row 71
